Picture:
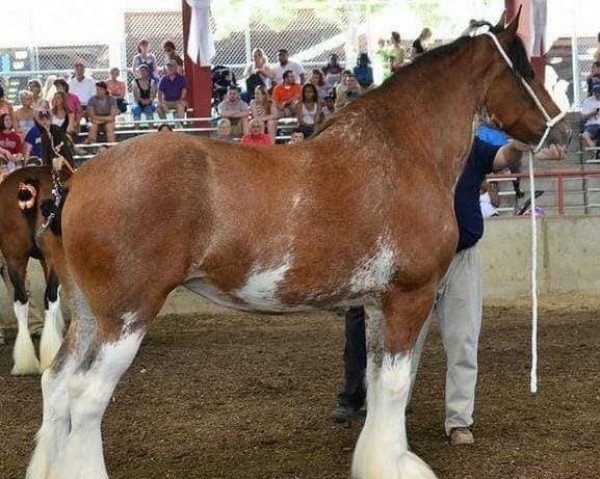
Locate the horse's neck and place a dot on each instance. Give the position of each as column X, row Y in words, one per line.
column 443, row 106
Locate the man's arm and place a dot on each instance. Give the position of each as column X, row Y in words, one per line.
column 513, row 152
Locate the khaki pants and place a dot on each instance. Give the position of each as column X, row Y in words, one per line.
column 458, row 310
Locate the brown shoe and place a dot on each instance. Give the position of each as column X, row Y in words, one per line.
column 461, row 436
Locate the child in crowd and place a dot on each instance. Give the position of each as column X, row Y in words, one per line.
column 256, row 135
column 224, row 130
column 297, row 136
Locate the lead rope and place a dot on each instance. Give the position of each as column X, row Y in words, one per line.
column 550, row 123
column 533, row 379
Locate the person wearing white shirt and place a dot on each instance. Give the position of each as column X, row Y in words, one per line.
column 284, row 65
column 81, row 86
column 590, row 113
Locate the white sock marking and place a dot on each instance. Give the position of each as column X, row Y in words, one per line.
column 52, row 334
column 382, row 448
column 26, row 361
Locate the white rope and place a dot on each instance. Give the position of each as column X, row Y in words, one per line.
column 550, row 123
column 534, row 299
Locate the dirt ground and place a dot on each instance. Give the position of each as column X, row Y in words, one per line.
column 247, row 396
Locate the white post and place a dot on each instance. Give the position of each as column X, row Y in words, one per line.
column 575, row 58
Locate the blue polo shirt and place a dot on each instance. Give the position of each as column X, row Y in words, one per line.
column 466, row 195
column 172, row 89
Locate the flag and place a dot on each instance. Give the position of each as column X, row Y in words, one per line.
column 200, row 48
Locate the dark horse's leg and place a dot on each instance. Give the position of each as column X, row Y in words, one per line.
column 25, row 360
column 53, row 320
column 393, row 324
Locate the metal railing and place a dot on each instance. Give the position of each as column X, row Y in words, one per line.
column 560, row 177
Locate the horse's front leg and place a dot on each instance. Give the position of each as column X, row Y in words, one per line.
column 393, row 324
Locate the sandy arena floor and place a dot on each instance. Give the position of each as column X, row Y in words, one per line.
column 217, row 396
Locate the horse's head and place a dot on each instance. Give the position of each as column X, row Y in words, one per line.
column 510, row 99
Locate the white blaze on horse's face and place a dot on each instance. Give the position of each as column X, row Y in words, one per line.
column 375, row 272
column 261, row 287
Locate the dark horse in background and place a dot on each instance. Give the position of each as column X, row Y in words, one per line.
column 22, row 194
column 360, row 214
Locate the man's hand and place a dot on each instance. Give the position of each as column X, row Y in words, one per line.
column 553, row 152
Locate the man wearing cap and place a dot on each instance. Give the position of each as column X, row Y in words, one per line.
column 172, row 91
column 81, row 86
column 284, row 65
column 590, row 113
column 102, row 110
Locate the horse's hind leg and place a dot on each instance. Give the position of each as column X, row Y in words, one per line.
column 392, row 328
column 53, row 321
column 25, row 360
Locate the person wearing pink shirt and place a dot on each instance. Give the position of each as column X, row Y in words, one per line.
column 117, row 89
column 72, row 100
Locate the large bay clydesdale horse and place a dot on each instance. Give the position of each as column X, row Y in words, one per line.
column 361, row 213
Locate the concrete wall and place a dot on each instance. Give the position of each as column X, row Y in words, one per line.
column 568, row 262
column 568, row 255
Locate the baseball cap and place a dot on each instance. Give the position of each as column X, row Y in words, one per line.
column 102, row 84
column 143, row 65
column 596, row 86
column 171, row 63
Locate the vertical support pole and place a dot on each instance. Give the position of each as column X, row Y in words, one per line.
column 198, row 76
column 560, row 190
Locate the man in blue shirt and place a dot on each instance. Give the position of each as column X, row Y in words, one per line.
column 458, row 305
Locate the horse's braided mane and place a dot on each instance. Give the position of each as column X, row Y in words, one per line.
column 517, row 54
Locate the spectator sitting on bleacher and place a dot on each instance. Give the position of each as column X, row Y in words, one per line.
column 39, row 103
column 363, row 71
column 323, row 89
column 595, row 73
column 393, row 67
column 328, row 109
column 396, row 49
column 24, row 115
column 81, row 86
column 286, row 95
column 236, row 110
column 172, row 92
column 263, row 109
column 489, row 199
column 224, row 131
column 256, row 135
column 284, row 65
column 143, row 57
column 49, row 88
column 10, row 140
column 144, row 93
column 62, row 115
column 421, row 44
column 590, row 113
column 72, row 103
column 102, row 110
column 171, row 54
column 117, row 89
column 6, row 107
column 296, row 137
column 308, row 110
column 258, row 71
column 332, row 71
column 348, row 92
column 221, row 84
column 32, row 146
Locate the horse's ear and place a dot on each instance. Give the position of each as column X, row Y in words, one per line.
column 513, row 26
column 501, row 23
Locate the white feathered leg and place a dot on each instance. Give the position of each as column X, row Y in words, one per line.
column 25, row 360
column 52, row 335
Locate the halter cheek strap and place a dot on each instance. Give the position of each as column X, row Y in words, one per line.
column 550, row 121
